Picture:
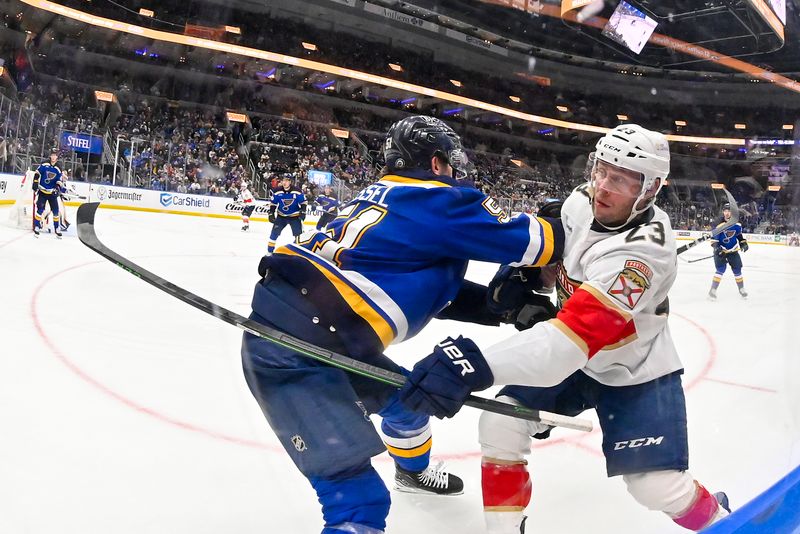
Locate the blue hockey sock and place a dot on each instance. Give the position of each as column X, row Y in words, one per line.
column 357, row 498
column 407, row 436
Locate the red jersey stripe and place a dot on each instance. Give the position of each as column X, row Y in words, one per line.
column 596, row 324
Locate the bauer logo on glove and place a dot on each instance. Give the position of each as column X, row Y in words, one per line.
column 455, row 354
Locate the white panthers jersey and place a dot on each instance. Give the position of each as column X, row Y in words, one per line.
column 612, row 289
column 245, row 196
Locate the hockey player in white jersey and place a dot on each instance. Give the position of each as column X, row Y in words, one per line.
column 609, row 348
column 246, row 197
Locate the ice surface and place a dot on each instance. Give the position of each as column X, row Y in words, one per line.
column 124, row 410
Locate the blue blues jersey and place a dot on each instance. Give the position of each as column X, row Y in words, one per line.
column 729, row 239
column 327, row 204
column 49, row 178
column 396, row 255
column 288, row 203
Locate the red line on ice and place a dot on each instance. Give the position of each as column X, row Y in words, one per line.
column 95, row 383
column 13, row 240
column 738, row 385
column 712, row 351
column 136, row 406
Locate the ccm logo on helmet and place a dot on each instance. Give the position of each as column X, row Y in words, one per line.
column 455, row 354
column 638, row 442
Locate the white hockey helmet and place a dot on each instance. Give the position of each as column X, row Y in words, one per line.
column 638, row 149
column 244, row 185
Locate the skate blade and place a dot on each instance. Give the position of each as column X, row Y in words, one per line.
column 417, row 491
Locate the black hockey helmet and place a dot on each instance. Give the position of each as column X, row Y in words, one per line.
column 412, row 142
column 726, row 206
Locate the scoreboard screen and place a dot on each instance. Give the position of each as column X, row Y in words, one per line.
column 629, row 27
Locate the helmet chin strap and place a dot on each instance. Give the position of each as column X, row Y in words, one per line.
column 634, row 213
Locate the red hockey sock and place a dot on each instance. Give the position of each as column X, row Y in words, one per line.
column 505, row 486
column 701, row 512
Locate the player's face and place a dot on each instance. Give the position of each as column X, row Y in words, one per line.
column 615, row 191
column 726, row 214
column 287, row 184
column 53, row 159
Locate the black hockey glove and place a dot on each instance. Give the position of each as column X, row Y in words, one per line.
column 551, row 209
column 440, row 383
column 302, row 214
column 264, row 265
column 271, row 214
column 719, row 251
column 469, row 305
column 537, row 308
column 510, row 287
column 743, row 245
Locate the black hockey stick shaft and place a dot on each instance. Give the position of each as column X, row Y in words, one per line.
column 719, row 229
column 700, row 259
column 88, row 236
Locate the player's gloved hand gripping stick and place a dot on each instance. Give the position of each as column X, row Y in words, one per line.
column 87, row 235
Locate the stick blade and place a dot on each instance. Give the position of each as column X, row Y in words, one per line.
column 734, row 206
column 85, row 220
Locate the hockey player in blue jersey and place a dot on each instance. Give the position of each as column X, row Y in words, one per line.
column 726, row 252
column 329, row 205
column 47, row 185
column 288, row 206
column 393, row 259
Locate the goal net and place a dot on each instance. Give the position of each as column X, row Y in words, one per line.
column 22, row 209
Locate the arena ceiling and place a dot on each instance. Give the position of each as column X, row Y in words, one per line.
column 729, row 27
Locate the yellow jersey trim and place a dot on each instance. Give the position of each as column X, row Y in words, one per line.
column 411, row 181
column 359, row 306
column 548, row 244
column 410, row 453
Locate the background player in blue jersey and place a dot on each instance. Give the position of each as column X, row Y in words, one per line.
column 47, row 185
column 393, row 259
column 288, row 206
column 329, row 205
column 726, row 251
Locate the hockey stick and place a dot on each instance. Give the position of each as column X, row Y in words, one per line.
column 700, row 259
column 87, row 235
column 719, row 229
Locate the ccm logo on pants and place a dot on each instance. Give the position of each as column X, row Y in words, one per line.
column 638, row 442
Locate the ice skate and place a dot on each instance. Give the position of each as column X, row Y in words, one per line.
column 712, row 294
column 434, row 480
column 722, row 499
column 743, row 293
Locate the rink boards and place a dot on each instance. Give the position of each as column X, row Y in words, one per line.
column 129, row 198
column 147, row 200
